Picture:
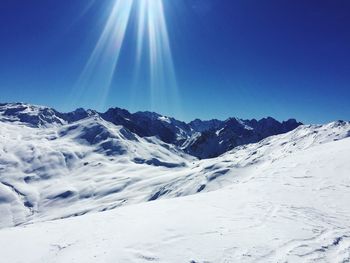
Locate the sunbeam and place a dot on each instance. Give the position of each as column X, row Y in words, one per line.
column 163, row 81
column 98, row 72
column 151, row 38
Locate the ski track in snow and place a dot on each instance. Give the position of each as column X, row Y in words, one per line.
column 284, row 199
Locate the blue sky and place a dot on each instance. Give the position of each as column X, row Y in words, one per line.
column 244, row 58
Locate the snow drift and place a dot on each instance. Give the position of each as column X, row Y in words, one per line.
column 281, row 199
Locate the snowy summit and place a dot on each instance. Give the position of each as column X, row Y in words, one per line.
column 75, row 185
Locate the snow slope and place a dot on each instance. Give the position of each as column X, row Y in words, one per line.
column 91, row 165
column 203, row 139
column 285, row 199
column 77, row 187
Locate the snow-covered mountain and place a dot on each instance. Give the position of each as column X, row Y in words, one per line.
column 221, row 137
column 202, row 139
column 89, row 161
column 280, row 198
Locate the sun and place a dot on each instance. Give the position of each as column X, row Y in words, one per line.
column 151, row 38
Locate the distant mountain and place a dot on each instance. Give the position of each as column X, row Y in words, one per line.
column 202, row 139
column 56, row 165
column 224, row 136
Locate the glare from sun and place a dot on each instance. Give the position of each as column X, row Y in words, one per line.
column 151, row 38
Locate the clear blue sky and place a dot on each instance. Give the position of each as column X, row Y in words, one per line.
column 244, row 58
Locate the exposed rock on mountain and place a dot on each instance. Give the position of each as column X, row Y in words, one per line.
column 202, row 139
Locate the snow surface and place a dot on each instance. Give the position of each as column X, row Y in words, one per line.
column 87, row 166
column 284, row 199
column 203, row 139
column 293, row 210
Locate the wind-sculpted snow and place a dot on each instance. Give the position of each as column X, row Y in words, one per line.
column 92, row 165
column 202, row 139
column 282, row 200
column 73, row 169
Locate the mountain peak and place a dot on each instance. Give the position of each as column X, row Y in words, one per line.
column 203, row 139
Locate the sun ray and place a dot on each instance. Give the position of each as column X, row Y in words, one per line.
column 142, row 13
column 162, row 73
column 152, row 38
column 98, row 72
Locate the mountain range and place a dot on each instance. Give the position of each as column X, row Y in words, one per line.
column 202, row 139
column 86, row 186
